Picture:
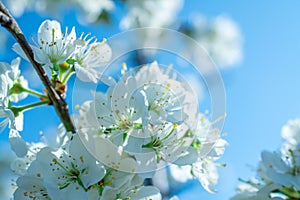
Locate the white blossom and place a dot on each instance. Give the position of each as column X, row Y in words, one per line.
column 31, row 187
column 256, row 192
column 90, row 58
column 12, row 76
column 210, row 147
column 53, row 46
column 145, row 114
column 278, row 171
column 20, row 165
column 121, row 185
column 67, row 174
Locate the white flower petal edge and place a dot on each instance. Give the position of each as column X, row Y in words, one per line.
column 91, row 57
column 18, row 145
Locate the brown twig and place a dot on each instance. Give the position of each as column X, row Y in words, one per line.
column 61, row 107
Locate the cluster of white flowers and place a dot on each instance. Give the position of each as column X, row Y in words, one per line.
column 69, row 171
column 65, row 54
column 151, row 117
column 145, row 120
column 144, row 113
column 278, row 172
column 210, row 147
column 221, row 36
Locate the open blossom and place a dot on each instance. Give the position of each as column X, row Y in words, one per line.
column 146, row 114
column 54, row 47
column 121, row 185
column 20, row 165
column 67, row 174
column 278, row 171
column 256, row 192
column 11, row 76
column 90, row 58
column 31, row 187
column 209, row 146
column 168, row 97
column 70, row 172
column 204, row 169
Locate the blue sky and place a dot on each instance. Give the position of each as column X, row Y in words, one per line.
column 262, row 92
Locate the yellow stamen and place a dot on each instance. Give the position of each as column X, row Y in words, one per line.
column 175, row 126
column 124, row 66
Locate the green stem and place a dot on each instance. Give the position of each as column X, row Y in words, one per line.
column 35, row 93
column 61, row 107
column 68, row 75
column 30, row 106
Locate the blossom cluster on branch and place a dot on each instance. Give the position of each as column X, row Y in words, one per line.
column 146, row 119
column 278, row 171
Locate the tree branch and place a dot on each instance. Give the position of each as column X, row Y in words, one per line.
column 61, row 107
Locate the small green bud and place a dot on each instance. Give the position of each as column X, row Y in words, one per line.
column 17, row 89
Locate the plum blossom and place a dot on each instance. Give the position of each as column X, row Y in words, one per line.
column 54, row 47
column 20, row 165
column 31, row 187
column 121, row 185
column 209, row 147
column 204, row 169
column 90, row 58
column 70, row 172
column 65, row 54
column 278, row 171
column 147, row 114
column 67, row 173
